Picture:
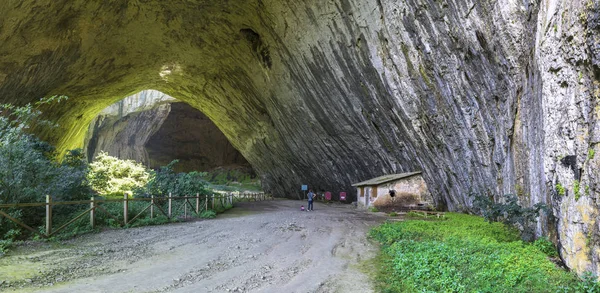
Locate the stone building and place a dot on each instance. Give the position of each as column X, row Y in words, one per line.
column 410, row 191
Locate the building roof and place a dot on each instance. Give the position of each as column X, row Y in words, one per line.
column 385, row 179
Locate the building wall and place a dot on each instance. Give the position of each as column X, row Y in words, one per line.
column 409, row 192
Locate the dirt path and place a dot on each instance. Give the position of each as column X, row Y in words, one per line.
column 256, row 247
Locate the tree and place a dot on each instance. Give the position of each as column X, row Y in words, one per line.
column 28, row 167
column 112, row 176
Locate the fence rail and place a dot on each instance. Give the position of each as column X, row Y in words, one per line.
column 197, row 205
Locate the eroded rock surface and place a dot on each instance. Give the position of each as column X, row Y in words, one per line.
column 155, row 129
column 482, row 96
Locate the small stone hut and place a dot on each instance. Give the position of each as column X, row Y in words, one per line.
column 410, row 191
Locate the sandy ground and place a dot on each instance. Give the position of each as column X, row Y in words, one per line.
column 268, row 246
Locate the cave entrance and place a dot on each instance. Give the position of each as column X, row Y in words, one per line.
column 154, row 129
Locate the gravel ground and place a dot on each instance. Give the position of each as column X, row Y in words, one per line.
column 268, row 246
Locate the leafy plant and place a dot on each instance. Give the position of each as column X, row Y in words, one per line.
column 591, row 153
column 208, row 214
column 29, row 169
column 112, row 176
column 510, row 212
column 373, row 209
column 545, row 246
column 560, row 189
column 165, row 181
column 576, row 190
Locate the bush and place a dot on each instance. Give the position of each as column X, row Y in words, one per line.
column 29, row 169
column 112, row 176
column 510, row 212
column 463, row 254
column 165, row 181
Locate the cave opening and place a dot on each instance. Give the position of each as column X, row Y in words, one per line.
column 154, row 129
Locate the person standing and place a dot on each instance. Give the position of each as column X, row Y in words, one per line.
column 311, row 197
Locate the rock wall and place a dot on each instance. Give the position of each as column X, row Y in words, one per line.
column 566, row 56
column 482, row 96
column 154, row 129
column 124, row 128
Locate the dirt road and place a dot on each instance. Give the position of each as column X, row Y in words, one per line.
column 268, row 246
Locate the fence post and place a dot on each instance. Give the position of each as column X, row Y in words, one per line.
column 48, row 215
column 92, row 213
column 152, row 206
column 170, row 206
column 213, row 202
column 197, row 203
column 185, row 208
column 125, row 209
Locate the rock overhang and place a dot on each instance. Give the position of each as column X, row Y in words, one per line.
column 328, row 93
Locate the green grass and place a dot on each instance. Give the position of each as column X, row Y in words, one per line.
column 465, row 254
column 373, row 209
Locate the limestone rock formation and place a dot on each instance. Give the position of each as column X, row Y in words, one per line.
column 154, row 129
column 482, row 96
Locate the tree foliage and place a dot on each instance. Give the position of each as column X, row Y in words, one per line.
column 165, row 181
column 112, row 176
column 29, row 169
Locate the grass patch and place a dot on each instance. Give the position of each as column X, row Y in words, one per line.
column 465, row 254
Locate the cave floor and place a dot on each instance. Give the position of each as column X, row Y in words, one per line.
column 268, row 246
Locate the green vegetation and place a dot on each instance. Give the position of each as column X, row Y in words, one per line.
column 30, row 169
column 587, row 190
column 510, row 212
column 165, row 181
column 466, row 254
column 591, row 154
column 576, row 190
column 232, row 180
column 560, row 189
column 544, row 245
column 110, row 176
column 373, row 209
column 393, row 214
column 208, row 214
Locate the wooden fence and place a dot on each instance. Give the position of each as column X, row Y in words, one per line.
column 196, row 204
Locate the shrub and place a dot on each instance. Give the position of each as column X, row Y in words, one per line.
column 510, row 212
column 29, row 169
column 112, row 176
column 165, row 181
column 373, row 209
